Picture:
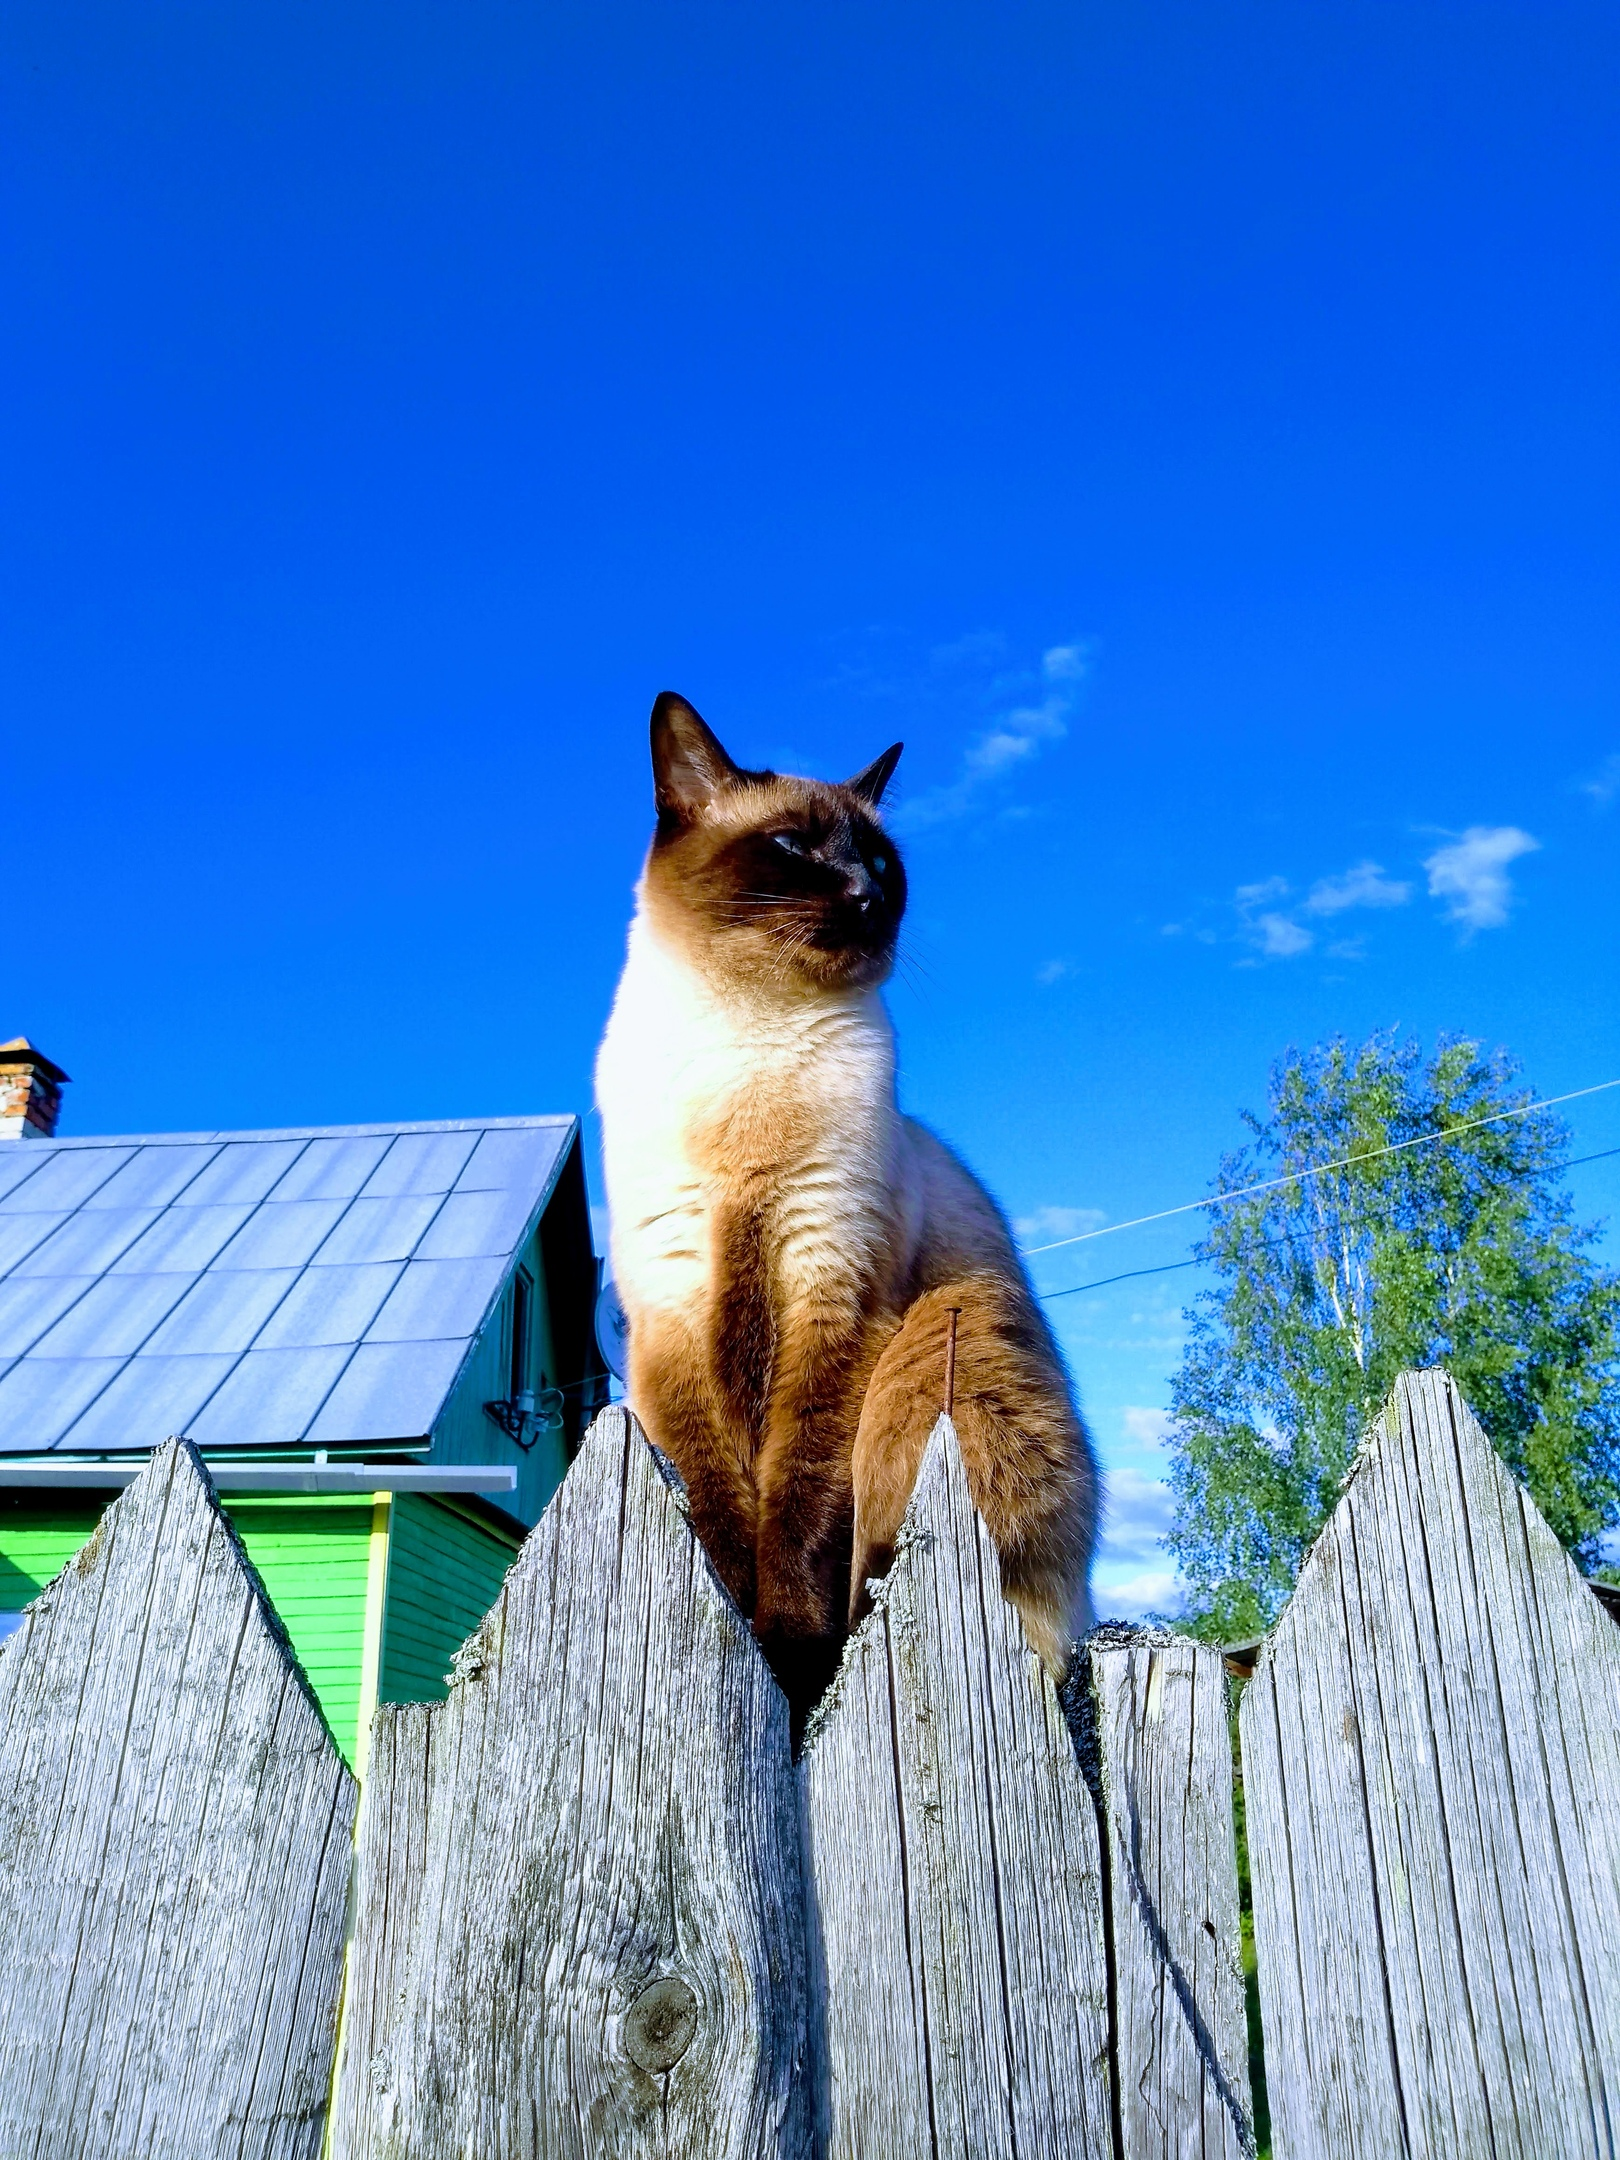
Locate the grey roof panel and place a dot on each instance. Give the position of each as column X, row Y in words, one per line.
column 478, row 1225
column 421, row 1163
column 88, row 1242
column 389, row 1391
column 379, row 1229
column 20, row 1234
column 182, row 1240
column 18, row 1162
column 41, row 1397
column 330, row 1170
column 282, row 1233
column 113, row 1317
column 153, row 1176
column 329, row 1305
column 64, row 1180
column 442, row 1298
column 269, row 1268
column 149, row 1399
column 28, row 1308
column 504, row 1160
column 223, row 1310
column 244, row 1171
column 270, row 1398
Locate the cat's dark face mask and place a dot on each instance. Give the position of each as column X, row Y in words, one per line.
column 764, row 878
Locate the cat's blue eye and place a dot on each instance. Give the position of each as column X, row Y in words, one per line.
column 880, row 863
column 790, row 841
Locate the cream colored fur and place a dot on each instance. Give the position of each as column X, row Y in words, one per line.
column 870, row 1192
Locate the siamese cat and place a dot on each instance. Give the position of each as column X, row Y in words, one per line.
column 788, row 1246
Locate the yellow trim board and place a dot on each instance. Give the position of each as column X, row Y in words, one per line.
column 370, row 1668
column 371, row 1649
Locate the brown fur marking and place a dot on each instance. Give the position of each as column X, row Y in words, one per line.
column 1022, row 1446
column 794, row 1383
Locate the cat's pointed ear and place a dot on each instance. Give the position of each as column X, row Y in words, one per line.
column 690, row 768
column 869, row 785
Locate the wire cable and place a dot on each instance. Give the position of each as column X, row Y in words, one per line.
column 1298, row 1177
column 1170, row 1266
column 1075, row 1289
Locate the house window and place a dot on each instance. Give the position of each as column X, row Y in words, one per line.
column 522, row 1306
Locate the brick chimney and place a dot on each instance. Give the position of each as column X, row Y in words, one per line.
column 30, row 1092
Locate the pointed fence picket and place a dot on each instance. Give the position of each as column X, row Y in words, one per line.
column 599, row 1909
column 579, row 1925
column 960, row 1960
column 1431, row 1753
column 1164, row 1757
column 175, row 1829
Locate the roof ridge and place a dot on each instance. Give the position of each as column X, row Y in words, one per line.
column 396, row 1126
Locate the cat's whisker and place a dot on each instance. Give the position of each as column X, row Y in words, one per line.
column 919, row 985
column 908, row 956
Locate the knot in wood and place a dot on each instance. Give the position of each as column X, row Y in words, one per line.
column 659, row 2025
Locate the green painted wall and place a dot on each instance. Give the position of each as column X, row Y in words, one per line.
column 445, row 1568
column 310, row 1555
column 446, row 1563
column 465, row 1432
column 39, row 1534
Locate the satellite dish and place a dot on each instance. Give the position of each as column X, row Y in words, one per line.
column 613, row 1331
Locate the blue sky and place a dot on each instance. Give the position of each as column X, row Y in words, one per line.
column 1194, row 429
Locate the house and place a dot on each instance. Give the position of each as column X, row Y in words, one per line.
column 381, row 1337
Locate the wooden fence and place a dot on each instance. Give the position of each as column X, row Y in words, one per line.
column 597, row 1908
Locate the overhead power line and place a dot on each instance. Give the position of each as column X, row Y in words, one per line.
column 1298, row 1177
column 1170, row 1266
column 1074, row 1289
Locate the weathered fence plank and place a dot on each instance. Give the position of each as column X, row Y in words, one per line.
column 1431, row 1748
column 959, row 1974
column 603, row 1935
column 390, row 1842
column 1165, row 1760
column 174, row 1852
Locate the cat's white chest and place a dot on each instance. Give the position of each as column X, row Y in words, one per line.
column 675, row 1062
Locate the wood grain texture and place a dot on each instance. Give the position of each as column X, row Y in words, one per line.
column 600, row 1948
column 959, row 1974
column 390, row 1852
column 1165, row 1761
column 174, row 1852
column 1431, row 1748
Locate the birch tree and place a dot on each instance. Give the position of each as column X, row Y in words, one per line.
column 1443, row 1237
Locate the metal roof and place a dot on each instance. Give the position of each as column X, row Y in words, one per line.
column 264, row 1289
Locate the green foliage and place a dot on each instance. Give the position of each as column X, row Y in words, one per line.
column 1460, row 1252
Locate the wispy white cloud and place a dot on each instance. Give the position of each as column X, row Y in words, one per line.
column 1604, row 785
column 1053, row 971
column 1362, row 885
column 1017, row 737
column 1470, row 875
column 1014, row 738
column 1133, row 1574
column 1066, row 663
column 1279, row 937
column 1153, row 1591
column 1136, row 1515
column 1058, row 1222
column 1274, row 935
column 1276, row 931
column 1145, row 1426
